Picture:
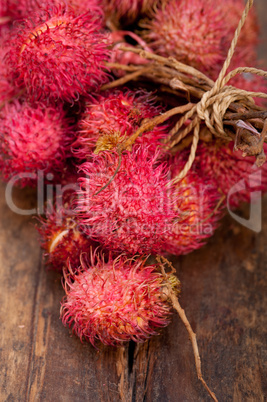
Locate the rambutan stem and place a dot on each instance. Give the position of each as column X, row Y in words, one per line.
column 248, row 115
column 215, row 209
column 126, row 78
column 193, row 339
column 112, row 178
column 154, row 122
column 213, row 103
column 214, row 119
column 120, row 66
column 171, row 62
column 162, row 261
column 220, row 80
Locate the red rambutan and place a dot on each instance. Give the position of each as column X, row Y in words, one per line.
column 83, row 6
column 113, row 117
column 7, row 90
column 189, row 30
column 116, row 301
column 131, row 214
column 196, row 199
column 57, row 54
column 33, row 138
column 16, row 9
column 4, row 18
column 249, row 36
column 137, row 212
column 236, row 176
column 61, row 238
column 199, row 32
column 247, row 81
column 78, row 6
column 125, row 12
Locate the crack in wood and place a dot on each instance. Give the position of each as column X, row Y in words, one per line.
column 135, row 364
column 33, row 327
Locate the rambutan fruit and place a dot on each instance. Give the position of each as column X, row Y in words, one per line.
column 16, row 9
column 3, row 9
column 199, row 32
column 33, row 138
column 7, row 90
column 78, row 6
column 116, row 301
column 247, row 81
column 81, row 7
column 131, row 214
column 196, row 200
column 249, row 36
column 189, row 30
column 4, row 18
column 57, row 54
column 124, row 12
column 113, row 117
column 128, row 57
column 61, row 238
column 137, row 212
column 236, row 176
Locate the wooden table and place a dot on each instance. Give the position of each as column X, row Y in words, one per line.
column 224, row 291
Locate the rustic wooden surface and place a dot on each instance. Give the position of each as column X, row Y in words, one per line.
column 224, row 289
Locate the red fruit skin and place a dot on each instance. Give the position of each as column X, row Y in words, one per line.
column 7, row 89
column 196, row 199
column 124, row 11
column 4, row 18
column 199, row 32
column 131, row 214
column 33, row 139
column 249, row 35
column 113, row 117
column 62, row 240
column 58, row 55
column 15, row 9
column 137, row 212
column 77, row 6
column 247, row 81
column 115, row 301
column 118, row 38
column 189, row 30
column 83, row 6
column 227, row 167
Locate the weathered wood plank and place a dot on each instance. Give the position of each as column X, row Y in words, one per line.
column 224, row 294
column 19, row 273
column 224, row 288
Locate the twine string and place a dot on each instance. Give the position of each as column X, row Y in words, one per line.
column 212, row 106
column 213, row 103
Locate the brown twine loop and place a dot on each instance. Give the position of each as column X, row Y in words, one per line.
column 214, row 103
column 215, row 98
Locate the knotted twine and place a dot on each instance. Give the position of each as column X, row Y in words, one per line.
column 211, row 108
column 214, row 103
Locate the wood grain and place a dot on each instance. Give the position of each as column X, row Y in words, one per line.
column 224, row 294
column 224, row 288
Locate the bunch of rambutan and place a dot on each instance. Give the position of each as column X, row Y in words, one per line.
column 114, row 205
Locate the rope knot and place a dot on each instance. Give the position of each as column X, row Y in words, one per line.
column 214, row 105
